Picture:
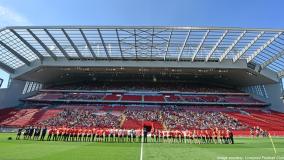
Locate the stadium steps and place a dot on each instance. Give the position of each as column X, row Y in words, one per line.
column 131, row 123
column 269, row 117
column 36, row 116
column 255, row 121
column 7, row 113
column 43, row 115
column 136, row 124
column 122, row 120
column 164, row 126
column 278, row 115
column 21, row 118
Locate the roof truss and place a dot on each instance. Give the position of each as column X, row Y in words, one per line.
column 272, row 59
column 183, row 46
column 168, row 45
column 6, row 68
column 200, row 45
column 238, row 56
column 88, row 43
column 40, row 56
column 57, row 44
column 103, row 43
column 43, row 45
column 216, row 45
column 263, row 47
column 72, row 44
column 260, row 46
column 19, row 56
column 229, row 49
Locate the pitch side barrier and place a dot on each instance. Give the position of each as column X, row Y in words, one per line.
column 141, row 102
column 145, row 92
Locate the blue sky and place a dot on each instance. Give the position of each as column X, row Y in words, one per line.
column 230, row 13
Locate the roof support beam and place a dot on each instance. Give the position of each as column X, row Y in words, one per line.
column 216, row 46
column 57, row 44
column 73, row 45
column 88, row 44
column 119, row 44
column 263, row 47
column 40, row 56
column 243, row 51
column 280, row 74
column 168, row 45
column 6, row 68
column 103, row 42
column 272, row 59
column 199, row 46
column 19, row 56
column 135, row 44
column 232, row 46
column 184, row 44
column 152, row 42
column 43, row 45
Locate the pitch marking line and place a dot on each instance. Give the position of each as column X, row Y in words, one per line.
column 141, row 150
column 272, row 143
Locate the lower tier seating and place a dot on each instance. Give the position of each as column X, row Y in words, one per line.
column 134, row 116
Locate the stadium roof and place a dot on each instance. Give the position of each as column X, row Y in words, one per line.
column 21, row 45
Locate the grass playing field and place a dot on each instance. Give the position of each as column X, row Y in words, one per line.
column 35, row 150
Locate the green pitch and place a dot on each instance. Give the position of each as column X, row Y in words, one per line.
column 34, row 150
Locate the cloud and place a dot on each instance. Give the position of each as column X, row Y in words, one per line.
column 9, row 17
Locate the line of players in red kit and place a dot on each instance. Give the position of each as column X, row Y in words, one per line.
column 224, row 136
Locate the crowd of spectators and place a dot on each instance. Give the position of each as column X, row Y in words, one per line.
column 178, row 118
column 171, row 117
column 175, row 118
column 154, row 115
column 83, row 118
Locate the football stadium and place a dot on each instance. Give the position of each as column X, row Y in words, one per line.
column 141, row 92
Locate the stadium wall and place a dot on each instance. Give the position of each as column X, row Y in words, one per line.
column 274, row 92
column 10, row 97
column 1, row 82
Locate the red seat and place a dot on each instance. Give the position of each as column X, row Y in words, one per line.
column 154, row 98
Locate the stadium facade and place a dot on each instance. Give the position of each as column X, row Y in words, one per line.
column 250, row 59
column 1, row 82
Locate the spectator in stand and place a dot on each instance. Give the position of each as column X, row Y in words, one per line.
column 172, row 117
column 175, row 118
column 83, row 118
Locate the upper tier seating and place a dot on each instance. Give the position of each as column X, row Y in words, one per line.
column 146, row 97
column 112, row 97
column 146, row 92
column 154, row 98
column 173, row 98
column 143, row 86
column 131, row 98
